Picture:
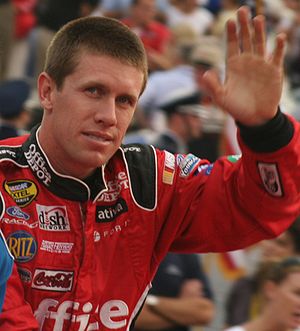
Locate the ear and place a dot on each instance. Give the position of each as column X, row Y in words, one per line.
column 46, row 88
column 269, row 289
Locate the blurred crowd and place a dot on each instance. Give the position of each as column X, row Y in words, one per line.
column 183, row 39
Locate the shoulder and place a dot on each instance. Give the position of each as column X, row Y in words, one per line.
column 141, row 163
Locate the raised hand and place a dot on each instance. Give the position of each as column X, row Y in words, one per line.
column 252, row 88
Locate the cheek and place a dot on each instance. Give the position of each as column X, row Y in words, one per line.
column 124, row 120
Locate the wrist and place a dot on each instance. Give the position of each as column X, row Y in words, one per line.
column 152, row 300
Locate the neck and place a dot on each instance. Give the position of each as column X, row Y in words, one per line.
column 266, row 322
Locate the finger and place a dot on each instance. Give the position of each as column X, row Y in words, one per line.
column 232, row 39
column 213, row 86
column 278, row 54
column 259, row 35
column 244, row 29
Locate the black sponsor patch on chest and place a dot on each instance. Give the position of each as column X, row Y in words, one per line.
column 109, row 213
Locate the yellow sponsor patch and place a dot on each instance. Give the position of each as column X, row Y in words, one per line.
column 22, row 191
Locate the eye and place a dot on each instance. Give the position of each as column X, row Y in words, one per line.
column 125, row 100
column 92, row 90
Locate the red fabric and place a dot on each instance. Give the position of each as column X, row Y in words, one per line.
column 155, row 36
column 25, row 18
column 94, row 271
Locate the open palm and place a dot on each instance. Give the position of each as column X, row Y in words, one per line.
column 253, row 83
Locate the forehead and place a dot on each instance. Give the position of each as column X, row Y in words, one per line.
column 292, row 280
column 107, row 70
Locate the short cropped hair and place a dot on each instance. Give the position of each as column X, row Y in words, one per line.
column 97, row 35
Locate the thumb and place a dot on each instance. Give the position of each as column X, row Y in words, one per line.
column 213, row 86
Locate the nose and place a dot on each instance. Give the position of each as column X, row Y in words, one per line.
column 106, row 112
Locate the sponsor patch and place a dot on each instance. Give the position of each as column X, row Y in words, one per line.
column 105, row 214
column 22, row 191
column 15, row 211
column 132, row 149
column 179, row 158
column 97, row 236
column 22, row 246
column 270, row 177
column 188, row 165
column 115, row 186
column 20, row 222
column 56, row 247
column 7, row 152
column 204, row 168
column 53, row 218
column 53, row 280
column 37, row 163
column 234, row 158
column 25, row 275
column 169, row 168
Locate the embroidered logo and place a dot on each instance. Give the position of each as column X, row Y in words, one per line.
column 22, row 191
column 22, row 246
column 105, row 214
column 52, row 280
column 53, row 218
column 270, row 177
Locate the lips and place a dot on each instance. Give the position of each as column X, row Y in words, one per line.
column 99, row 136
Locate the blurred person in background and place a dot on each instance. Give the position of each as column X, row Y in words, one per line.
column 189, row 12
column 180, row 296
column 178, row 80
column 120, row 8
column 156, row 36
column 52, row 15
column 244, row 301
column 6, row 35
column 207, row 55
column 279, row 286
column 14, row 116
column 24, row 22
column 183, row 121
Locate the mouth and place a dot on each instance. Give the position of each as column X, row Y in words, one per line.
column 101, row 138
column 296, row 319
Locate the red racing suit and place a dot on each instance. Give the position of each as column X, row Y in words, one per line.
column 86, row 251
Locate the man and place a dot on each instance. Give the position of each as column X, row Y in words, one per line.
column 88, row 222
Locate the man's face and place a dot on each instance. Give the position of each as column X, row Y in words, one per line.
column 86, row 119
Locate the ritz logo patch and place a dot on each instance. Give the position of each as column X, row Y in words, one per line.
column 22, row 191
column 105, row 214
column 53, row 280
column 22, row 246
column 270, row 177
column 53, row 218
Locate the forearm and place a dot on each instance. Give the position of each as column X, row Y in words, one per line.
column 149, row 320
column 185, row 311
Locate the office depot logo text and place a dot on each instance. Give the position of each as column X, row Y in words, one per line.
column 113, row 315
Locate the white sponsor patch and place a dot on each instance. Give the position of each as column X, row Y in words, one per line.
column 56, row 247
column 52, row 280
column 270, row 178
column 188, row 165
column 53, row 218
